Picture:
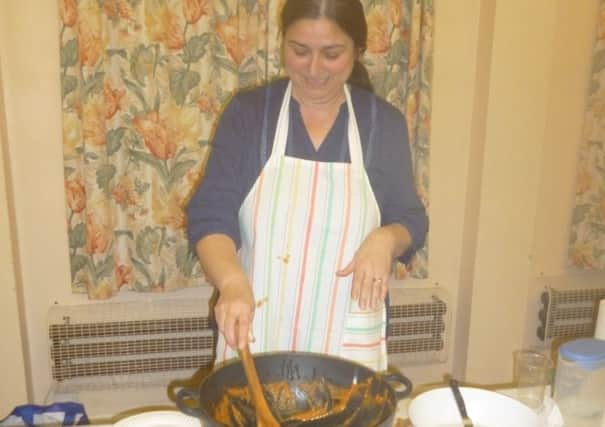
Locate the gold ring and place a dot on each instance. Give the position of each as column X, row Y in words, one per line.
column 377, row 280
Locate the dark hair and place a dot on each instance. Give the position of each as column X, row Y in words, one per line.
column 347, row 14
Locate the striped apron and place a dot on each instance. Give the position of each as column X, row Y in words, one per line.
column 301, row 222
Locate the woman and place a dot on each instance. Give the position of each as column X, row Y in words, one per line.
column 308, row 197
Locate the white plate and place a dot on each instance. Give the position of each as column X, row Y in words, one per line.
column 159, row 419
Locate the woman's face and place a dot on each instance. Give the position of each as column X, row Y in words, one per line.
column 319, row 58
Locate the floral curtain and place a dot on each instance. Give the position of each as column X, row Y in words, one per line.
column 143, row 83
column 587, row 241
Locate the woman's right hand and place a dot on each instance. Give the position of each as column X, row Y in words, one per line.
column 234, row 312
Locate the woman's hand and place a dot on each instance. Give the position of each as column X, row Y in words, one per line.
column 371, row 265
column 234, row 308
column 234, row 311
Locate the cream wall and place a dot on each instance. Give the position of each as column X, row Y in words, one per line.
column 12, row 357
column 509, row 88
column 30, row 72
column 540, row 64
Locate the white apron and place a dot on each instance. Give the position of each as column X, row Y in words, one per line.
column 301, row 222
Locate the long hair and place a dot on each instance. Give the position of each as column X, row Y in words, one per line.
column 347, row 14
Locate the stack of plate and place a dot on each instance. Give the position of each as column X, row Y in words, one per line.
column 159, row 419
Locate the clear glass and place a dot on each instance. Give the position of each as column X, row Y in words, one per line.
column 532, row 374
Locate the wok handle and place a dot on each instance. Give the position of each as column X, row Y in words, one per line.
column 396, row 379
column 188, row 395
column 185, row 395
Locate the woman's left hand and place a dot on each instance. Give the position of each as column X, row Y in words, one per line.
column 371, row 268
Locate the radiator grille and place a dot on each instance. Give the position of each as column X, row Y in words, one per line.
column 568, row 312
column 418, row 326
column 128, row 342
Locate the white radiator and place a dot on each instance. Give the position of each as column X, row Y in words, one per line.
column 149, row 342
column 568, row 312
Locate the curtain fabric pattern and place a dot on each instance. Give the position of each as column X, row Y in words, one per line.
column 143, row 84
column 587, row 240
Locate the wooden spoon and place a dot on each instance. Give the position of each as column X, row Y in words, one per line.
column 264, row 416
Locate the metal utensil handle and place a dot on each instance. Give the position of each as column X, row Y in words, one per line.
column 459, row 400
column 398, row 380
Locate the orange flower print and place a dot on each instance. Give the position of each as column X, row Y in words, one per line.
column 415, row 40
column 76, row 195
column 193, row 176
column 164, row 26
column 155, row 135
column 582, row 256
column 207, row 103
column 395, row 7
column 195, row 9
column 101, row 290
column 601, row 25
column 118, row 8
column 602, row 208
column 228, row 33
column 72, row 136
column 167, row 210
column 124, row 193
column 183, row 124
column 93, row 121
column 68, row 10
column 123, row 275
column 157, row 288
column 584, row 181
column 98, row 233
column 175, row 39
column 401, row 272
column 378, row 32
column 112, row 99
column 91, row 45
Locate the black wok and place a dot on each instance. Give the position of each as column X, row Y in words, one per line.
column 374, row 408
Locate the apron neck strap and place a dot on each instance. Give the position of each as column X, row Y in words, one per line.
column 283, row 125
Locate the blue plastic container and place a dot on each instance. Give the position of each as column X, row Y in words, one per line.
column 580, row 382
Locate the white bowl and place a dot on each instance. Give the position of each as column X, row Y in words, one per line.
column 437, row 408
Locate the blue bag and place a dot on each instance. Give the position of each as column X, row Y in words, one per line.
column 64, row 414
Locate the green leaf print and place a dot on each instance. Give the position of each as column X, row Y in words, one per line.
column 120, row 233
column 181, row 82
column 580, row 213
column 598, row 63
column 69, row 54
column 148, row 243
column 114, row 140
column 598, row 228
column 141, row 186
column 178, row 171
column 77, row 236
column 78, row 262
column 117, row 52
column 104, row 176
column 89, row 156
column 398, row 53
column 105, row 268
column 136, row 89
column 225, row 64
column 141, row 63
column 185, row 261
column 94, row 84
column 68, row 85
column 149, row 159
column 195, row 48
column 144, row 271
